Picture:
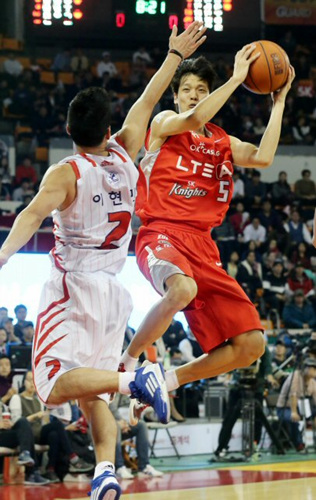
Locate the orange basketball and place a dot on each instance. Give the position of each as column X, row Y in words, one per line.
column 269, row 72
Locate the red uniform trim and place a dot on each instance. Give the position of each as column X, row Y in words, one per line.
column 44, row 337
column 45, row 323
column 75, row 168
column 124, row 160
column 56, row 257
column 120, row 142
column 47, row 348
column 93, row 163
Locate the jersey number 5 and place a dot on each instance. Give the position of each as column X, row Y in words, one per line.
column 224, row 191
column 123, row 219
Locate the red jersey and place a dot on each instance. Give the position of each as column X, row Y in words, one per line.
column 188, row 180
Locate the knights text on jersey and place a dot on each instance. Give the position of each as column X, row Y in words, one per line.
column 94, row 232
column 188, row 180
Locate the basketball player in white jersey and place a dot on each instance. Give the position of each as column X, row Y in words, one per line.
column 84, row 310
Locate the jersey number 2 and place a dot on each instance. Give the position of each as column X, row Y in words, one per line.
column 123, row 218
column 224, row 191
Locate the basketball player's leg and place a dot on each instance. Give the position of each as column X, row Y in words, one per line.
column 103, row 427
column 84, row 383
column 180, row 291
column 239, row 352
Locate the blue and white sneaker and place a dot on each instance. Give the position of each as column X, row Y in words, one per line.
column 149, row 388
column 105, row 487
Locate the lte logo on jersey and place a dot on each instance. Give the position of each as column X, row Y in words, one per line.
column 113, row 178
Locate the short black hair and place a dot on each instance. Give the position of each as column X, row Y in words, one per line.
column 18, row 307
column 89, row 117
column 200, row 67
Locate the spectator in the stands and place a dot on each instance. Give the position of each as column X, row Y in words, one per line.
column 275, row 287
column 27, row 333
column 25, row 189
column 232, row 265
column 297, row 230
column 8, row 325
column 174, row 334
column 5, row 172
column 255, row 191
column 249, row 275
column 239, row 186
column 239, row 219
column 301, row 254
column 224, row 236
column 79, row 61
column 3, row 340
column 280, row 354
column 305, row 188
column 6, row 376
column 106, row 66
column 42, row 125
column 270, row 219
column 3, row 315
column 287, row 136
column 255, row 232
column 62, row 61
column 302, row 132
column 11, row 66
column 190, row 347
column 45, row 430
column 299, row 386
column 281, row 191
column 4, row 191
column 19, row 435
column 20, row 312
column 126, row 431
column 142, row 55
column 21, row 101
column 25, row 170
column 298, row 280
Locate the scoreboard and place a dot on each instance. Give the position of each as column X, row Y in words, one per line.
column 140, row 21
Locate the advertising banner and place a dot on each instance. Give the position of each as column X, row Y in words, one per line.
column 289, row 12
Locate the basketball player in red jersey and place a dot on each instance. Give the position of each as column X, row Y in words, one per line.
column 188, row 169
column 84, row 309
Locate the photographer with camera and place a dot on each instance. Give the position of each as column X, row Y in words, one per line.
column 252, row 379
column 292, row 407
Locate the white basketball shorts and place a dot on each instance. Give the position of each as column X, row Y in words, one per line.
column 81, row 323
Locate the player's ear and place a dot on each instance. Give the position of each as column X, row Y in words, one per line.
column 108, row 133
column 175, row 98
column 68, row 129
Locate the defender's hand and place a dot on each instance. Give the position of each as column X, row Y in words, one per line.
column 189, row 40
column 243, row 59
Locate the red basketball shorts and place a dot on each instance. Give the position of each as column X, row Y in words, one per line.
column 221, row 309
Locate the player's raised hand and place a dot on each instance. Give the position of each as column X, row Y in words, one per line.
column 189, row 40
column 280, row 95
column 243, row 59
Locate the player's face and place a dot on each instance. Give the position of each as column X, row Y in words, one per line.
column 191, row 91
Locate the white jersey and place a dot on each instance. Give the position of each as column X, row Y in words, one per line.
column 94, row 232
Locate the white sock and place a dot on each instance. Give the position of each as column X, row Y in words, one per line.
column 129, row 362
column 103, row 466
column 172, row 380
column 124, row 380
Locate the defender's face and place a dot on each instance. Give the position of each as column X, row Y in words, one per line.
column 191, row 91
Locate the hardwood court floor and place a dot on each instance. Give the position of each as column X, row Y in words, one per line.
column 285, row 480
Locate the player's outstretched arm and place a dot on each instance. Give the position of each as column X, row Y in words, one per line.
column 248, row 155
column 171, row 123
column 135, row 125
column 56, row 185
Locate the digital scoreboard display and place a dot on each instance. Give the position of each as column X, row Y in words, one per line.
column 140, row 21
